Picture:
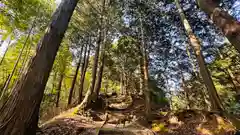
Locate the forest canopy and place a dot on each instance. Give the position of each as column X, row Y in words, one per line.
column 108, row 55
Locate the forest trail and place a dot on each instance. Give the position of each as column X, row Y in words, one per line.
column 130, row 121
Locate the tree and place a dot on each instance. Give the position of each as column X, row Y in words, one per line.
column 98, row 83
column 195, row 43
column 59, row 89
column 184, row 87
column 28, row 91
column 229, row 26
column 19, row 56
column 99, row 75
column 144, row 69
column 84, row 70
column 75, row 77
column 89, row 95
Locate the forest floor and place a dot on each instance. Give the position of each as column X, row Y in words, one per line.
column 125, row 116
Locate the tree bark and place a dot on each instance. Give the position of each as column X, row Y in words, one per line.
column 2, row 92
column 54, row 80
column 83, row 72
column 89, row 95
column 19, row 115
column 101, row 67
column 195, row 71
column 145, row 71
column 195, row 43
column 196, row 74
column 59, row 89
column 185, row 88
column 90, row 91
column 75, row 77
column 99, row 78
column 229, row 26
column 141, row 78
column 122, row 83
column 5, row 52
column 25, row 59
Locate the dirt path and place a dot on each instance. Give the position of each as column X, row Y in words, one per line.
column 131, row 121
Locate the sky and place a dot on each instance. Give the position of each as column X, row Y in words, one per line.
column 235, row 11
column 58, row 1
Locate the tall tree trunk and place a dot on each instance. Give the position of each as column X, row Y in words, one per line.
column 229, row 26
column 5, row 52
column 54, row 80
column 99, row 78
column 83, row 71
column 2, row 92
column 124, row 82
column 75, row 77
column 19, row 115
column 101, row 67
column 196, row 74
column 90, row 92
column 121, row 84
column 59, row 89
column 146, row 88
column 19, row 57
column 145, row 71
column 195, row 71
column 141, row 77
column 195, row 43
column 186, row 92
column 25, row 59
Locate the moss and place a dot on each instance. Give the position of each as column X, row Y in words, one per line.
column 76, row 110
column 163, row 113
column 159, row 127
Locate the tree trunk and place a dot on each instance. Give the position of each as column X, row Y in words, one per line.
column 145, row 71
column 5, row 52
column 25, row 59
column 19, row 57
column 54, row 80
column 141, row 78
column 185, row 88
column 75, row 78
column 2, row 92
column 83, row 72
column 196, row 74
column 19, row 115
column 121, row 84
column 89, row 95
column 59, row 89
column 229, row 26
column 195, row 43
column 146, row 88
column 99, row 78
column 195, row 71
column 101, row 67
